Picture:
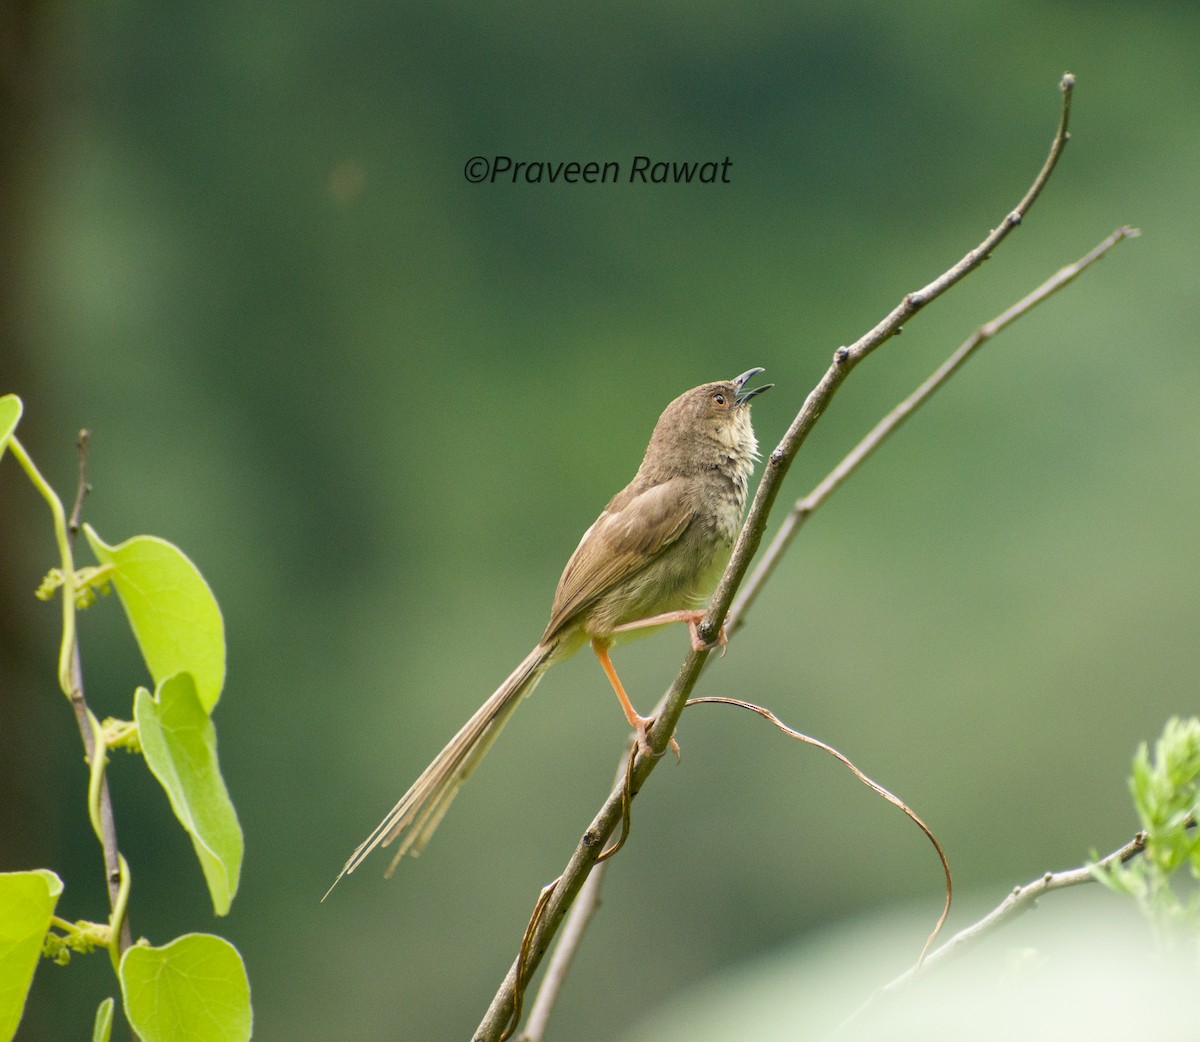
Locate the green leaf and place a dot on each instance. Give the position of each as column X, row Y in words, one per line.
column 171, row 610
column 27, row 901
column 191, row 990
column 10, row 413
column 180, row 746
column 102, row 1029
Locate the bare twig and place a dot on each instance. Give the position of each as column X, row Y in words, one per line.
column 82, row 488
column 805, row 506
column 891, row 797
column 550, row 916
column 585, row 904
column 524, row 967
column 1020, row 900
column 846, row 358
column 585, row 907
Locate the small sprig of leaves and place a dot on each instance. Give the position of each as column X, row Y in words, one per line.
column 89, row 582
column 80, row 936
column 121, row 734
column 1166, row 795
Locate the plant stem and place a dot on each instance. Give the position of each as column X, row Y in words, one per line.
column 70, row 679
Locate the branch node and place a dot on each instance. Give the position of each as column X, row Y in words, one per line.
column 840, row 356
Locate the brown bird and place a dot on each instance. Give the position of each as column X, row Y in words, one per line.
column 651, row 558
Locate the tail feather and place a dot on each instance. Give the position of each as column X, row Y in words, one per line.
column 422, row 808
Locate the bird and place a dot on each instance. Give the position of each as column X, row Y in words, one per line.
column 652, row 558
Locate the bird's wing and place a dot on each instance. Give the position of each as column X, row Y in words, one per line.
column 624, row 539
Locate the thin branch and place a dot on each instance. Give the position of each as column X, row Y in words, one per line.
column 582, row 912
column 500, row 1013
column 524, row 966
column 82, row 488
column 846, row 358
column 1020, row 900
column 552, row 908
column 804, row 507
column 869, row 782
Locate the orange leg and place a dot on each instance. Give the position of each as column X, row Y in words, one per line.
column 692, row 617
column 636, row 721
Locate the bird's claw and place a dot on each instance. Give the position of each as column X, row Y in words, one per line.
column 643, row 741
column 699, row 644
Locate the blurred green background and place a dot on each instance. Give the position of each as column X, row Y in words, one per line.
column 378, row 404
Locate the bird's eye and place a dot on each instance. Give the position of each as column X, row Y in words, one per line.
column 719, row 398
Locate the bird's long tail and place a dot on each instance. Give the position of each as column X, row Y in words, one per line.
column 428, row 798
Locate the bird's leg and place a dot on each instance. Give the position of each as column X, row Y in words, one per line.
column 693, row 617
column 639, row 723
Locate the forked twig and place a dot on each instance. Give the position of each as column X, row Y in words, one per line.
column 523, row 954
column 805, row 506
column 846, row 358
column 559, row 965
column 585, row 905
column 543, row 926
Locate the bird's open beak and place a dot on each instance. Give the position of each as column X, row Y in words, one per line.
column 740, row 382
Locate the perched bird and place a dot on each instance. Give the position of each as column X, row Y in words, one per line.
column 652, row 557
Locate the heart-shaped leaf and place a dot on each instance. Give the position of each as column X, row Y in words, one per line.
column 191, row 990
column 171, row 610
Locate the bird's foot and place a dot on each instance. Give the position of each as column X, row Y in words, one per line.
column 692, row 616
column 698, row 644
column 643, row 741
